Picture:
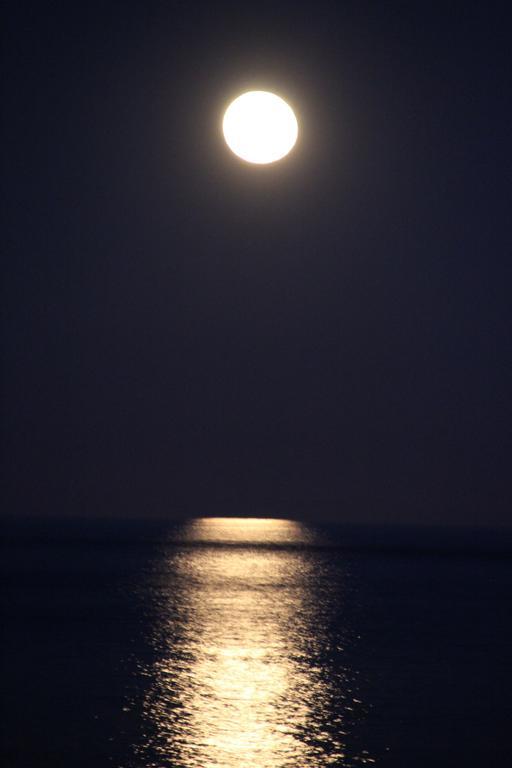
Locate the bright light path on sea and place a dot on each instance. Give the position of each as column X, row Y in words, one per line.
column 260, row 127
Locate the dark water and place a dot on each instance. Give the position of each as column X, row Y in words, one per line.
column 221, row 643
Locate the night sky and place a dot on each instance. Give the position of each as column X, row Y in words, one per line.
column 328, row 337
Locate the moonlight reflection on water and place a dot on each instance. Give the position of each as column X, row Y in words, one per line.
column 244, row 671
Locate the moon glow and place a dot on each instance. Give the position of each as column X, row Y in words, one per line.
column 260, row 127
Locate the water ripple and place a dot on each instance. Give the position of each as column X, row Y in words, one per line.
column 248, row 671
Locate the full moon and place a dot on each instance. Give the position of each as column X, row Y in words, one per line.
column 260, row 127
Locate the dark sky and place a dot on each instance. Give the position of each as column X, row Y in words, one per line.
column 184, row 333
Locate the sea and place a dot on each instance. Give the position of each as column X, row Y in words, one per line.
column 254, row 642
